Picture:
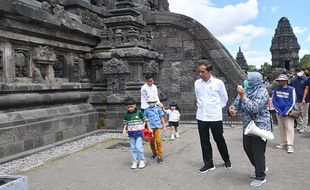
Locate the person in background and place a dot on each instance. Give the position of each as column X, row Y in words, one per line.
column 149, row 89
column 211, row 97
column 253, row 102
column 299, row 82
column 283, row 100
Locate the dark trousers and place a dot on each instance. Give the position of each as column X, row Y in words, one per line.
column 255, row 148
column 217, row 132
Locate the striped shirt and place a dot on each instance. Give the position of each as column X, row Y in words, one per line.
column 135, row 122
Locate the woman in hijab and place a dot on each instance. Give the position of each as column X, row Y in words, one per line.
column 253, row 102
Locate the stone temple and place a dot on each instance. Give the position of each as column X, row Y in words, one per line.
column 67, row 65
column 284, row 47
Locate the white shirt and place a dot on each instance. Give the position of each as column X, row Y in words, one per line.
column 174, row 115
column 211, row 98
column 146, row 92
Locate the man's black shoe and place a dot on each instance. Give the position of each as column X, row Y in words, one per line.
column 206, row 169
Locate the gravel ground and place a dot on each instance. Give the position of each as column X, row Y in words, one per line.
column 34, row 160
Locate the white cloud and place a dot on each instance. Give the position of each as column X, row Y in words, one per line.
column 243, row 35
column 228, row 24
column 257, row 58
column 218, row 20
column 299, row 30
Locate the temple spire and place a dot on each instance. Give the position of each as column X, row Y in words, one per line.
column 240, row 59
column 284, row 46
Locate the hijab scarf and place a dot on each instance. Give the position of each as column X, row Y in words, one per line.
column 255, row 80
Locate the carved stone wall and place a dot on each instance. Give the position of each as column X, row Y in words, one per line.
column 82, row 57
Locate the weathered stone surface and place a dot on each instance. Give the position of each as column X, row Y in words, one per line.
column 284, row 47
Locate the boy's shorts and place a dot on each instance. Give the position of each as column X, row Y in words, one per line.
column 173, row 123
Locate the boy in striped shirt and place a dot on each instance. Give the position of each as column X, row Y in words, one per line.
column 134, row 122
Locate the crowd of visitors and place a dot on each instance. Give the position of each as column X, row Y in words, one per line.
column 290, row 102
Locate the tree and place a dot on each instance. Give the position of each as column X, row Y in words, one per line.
column 265, row 69
column 305, row 62
column 252, row 68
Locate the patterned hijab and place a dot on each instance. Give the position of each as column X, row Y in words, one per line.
column 255, row 80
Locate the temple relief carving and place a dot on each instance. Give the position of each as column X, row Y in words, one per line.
column 21, row 63
column 150, row 67
column 44, row 58
column 92, row 19
column 115, row 66
column 54, row 6
column 59, row 67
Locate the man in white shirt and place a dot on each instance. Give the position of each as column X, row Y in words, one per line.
column 211, row 97
column 149, row 90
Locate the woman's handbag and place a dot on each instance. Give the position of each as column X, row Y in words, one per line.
column 294, row 113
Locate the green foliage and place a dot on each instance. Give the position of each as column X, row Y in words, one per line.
column 265, row 69
column 100, row 124
column 305, row 62
column 252, row 68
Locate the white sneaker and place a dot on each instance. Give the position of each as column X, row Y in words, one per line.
column 177, row 135
column 172, row 137
column 134, row 165
column 290, row 149
column 301, row 130
column 281, row 146
column 142, row 164
column 257, row 183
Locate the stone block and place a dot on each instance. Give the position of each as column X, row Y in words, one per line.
column 38, row 141
column 49, row 138
column 2, row 151
column 90, row 127
column 28, row 144
column 14, row 148
column 174, row 56
column 6, row 137
column 59, row 136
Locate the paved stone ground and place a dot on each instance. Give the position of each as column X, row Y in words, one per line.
column 98, row 168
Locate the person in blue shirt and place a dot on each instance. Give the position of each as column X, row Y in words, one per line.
column 283, row 100
column 299, row 82
column 155, row 116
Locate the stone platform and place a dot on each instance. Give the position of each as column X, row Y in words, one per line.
column 100, row 168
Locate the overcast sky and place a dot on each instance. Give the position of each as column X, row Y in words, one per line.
column 249, row 24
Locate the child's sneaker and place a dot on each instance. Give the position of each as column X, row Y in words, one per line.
column 177, row 135
column 153, row 156
column 142, row 164
column 159, row 160
column 134, row 165
column 172, row 137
